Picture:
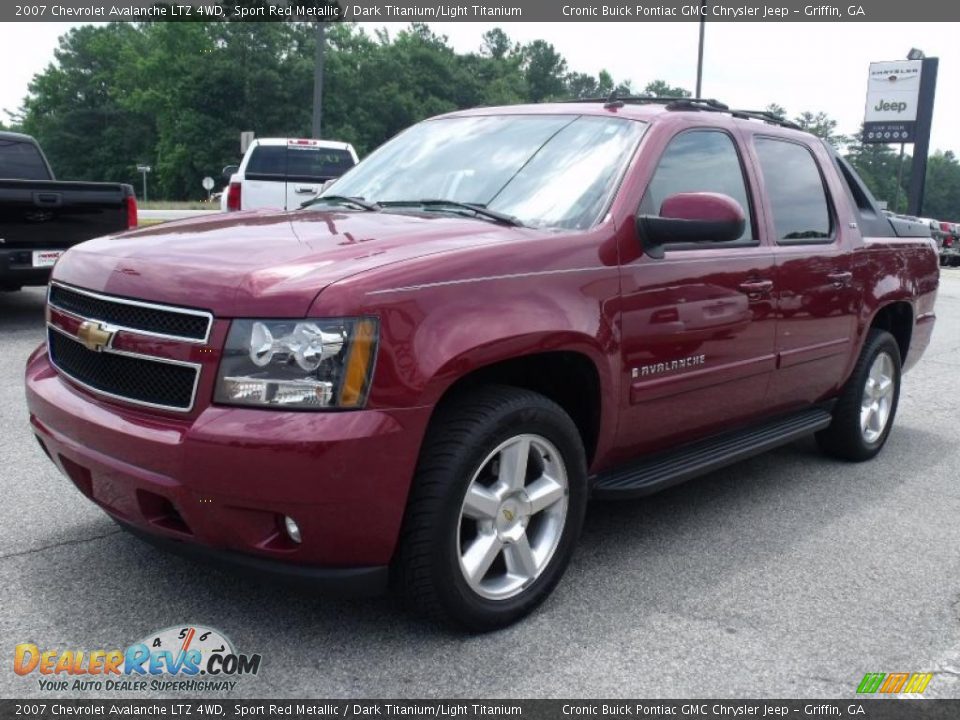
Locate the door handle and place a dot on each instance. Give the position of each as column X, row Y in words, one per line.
column 756, row 289
column 839, row 279
column 304, row 189
column 47, row 199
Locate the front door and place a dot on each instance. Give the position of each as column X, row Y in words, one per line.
column 698, row 323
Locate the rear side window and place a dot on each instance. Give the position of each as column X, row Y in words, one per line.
column 21, row 161
column 281, row 162
column 699, row 161
column 798, row 199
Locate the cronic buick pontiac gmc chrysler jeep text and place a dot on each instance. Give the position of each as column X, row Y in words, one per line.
column 423, row 376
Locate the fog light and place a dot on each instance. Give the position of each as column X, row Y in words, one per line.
column 293, row 530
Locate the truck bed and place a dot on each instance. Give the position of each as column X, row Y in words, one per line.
column 38, row 218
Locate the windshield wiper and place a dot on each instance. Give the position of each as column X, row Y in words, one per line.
column 342, row 200
column 475, row 208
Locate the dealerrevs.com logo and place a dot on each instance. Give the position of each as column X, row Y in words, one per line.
column 184, row 658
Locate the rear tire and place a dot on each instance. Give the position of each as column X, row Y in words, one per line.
column 866, row 408
column 495, row 510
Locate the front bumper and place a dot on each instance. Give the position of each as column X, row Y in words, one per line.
column 348, row 581
column 220, row 483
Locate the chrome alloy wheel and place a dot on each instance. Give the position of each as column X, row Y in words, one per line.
column 877, row 398
column 512, row 517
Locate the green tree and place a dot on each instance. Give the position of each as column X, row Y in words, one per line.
column 942, row 190
column 821, row 125
column 544, row 70
column 660, row 88
column 77, row 110
column 877, row 165
column 496, row 44
column 177, row 95
column 777, row 110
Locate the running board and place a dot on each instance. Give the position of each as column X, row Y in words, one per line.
column 654, row 473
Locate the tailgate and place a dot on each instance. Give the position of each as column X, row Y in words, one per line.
column 49, row 215
column 309, row 166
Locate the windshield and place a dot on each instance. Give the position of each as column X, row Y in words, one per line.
column 544, row 170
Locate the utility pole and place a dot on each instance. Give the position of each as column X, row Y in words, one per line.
column 321, row 31
column 703, row 25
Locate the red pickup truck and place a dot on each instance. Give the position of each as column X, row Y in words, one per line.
column 424, row 374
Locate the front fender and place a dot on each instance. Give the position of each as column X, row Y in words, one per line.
column 431, row 340
column 447, row 315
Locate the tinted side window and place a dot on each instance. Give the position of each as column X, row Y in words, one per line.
column 21, row 161
column 798, row 199
column 699, row 161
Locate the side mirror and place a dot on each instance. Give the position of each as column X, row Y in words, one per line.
column 229, row 171
column 697, row 217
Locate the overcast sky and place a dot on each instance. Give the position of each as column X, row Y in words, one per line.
column 802, row 66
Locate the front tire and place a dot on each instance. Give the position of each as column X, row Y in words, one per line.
column 865, row 410
column 496, row 508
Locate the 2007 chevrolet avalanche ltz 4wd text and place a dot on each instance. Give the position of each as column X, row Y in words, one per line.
column 422, row 376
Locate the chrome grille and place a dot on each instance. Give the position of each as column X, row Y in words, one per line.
column 135, row 315
column 138, row 379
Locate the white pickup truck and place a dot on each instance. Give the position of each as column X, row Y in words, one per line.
column 282, row 173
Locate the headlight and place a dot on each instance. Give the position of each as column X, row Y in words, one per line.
column 311, row 364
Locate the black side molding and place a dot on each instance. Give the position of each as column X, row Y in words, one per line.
column 654, row 473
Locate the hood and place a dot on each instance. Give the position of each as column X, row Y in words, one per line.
column 266, row 264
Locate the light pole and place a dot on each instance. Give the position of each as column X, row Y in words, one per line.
column 318, row 57
column 703, row 25
column 144, row 169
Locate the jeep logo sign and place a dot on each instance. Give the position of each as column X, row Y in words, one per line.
column 897, row 107
column 893, row 89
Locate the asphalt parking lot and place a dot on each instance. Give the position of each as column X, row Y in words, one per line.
column 789, row 575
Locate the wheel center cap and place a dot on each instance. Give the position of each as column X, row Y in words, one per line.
column 511, row 520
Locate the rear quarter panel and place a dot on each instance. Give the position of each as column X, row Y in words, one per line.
column 889, row 270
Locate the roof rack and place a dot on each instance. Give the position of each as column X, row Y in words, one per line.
column 766, row 116
column 614, row 101
column 689, row 103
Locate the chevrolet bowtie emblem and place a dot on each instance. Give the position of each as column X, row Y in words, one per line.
column 94, row 336
column 508, row 515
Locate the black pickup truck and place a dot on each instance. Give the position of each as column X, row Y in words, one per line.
column 41, row 217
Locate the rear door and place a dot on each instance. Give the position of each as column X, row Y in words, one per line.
column 698, row 323
column 309, row 165
column 815, row 294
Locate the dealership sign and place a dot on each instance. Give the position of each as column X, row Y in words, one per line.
column 893, row 89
